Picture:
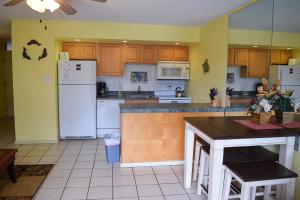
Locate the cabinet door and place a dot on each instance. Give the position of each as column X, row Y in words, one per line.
column 258, row 63
column 165, row 53
column 148, row 54
column 181, row 53
column 132, row 53
column 110, row 59
column 275, row 56
column 72, row 48
column 285, row 55
column 87, row 51
column 230, row 56
column 241, row 57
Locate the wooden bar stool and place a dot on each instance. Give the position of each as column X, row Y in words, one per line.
column 255, row 174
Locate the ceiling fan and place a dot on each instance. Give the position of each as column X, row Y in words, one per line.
column 41, row 5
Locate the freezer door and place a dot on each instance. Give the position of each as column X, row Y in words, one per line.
column 289, row 75
column 77, row 111
column 77, row 72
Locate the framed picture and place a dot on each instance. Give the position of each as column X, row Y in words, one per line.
column 139, row 77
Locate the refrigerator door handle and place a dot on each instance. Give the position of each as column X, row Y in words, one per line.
column 93, row 95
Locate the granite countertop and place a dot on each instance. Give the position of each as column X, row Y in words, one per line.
column 236, row 108
column 168, row 107
column 128, row 95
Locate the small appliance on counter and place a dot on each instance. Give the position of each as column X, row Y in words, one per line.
column 102, row 89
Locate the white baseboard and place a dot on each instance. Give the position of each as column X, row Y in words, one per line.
column 152, row 164
column 36, row 141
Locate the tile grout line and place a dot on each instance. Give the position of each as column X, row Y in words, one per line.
column 92, row 171
column 71, row 170
column 181, row 184
column 49, row 173
column 158, row 183
column 137, row 191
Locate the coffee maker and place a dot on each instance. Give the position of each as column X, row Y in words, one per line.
column 102, row 89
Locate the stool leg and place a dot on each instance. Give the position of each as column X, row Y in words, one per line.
column 201, row 173
column 253, row 193
column 196, row 160
column 267, row 192
column 226, row 185
column 10, row 172
column 291, row 189
column 245, row 193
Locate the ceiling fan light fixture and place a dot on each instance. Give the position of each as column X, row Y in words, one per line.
column 51, row 5
column 36, row 5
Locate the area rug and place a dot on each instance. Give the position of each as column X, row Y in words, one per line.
column 29, row 179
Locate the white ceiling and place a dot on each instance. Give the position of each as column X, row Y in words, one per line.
column 259, row 16
column 166, row 12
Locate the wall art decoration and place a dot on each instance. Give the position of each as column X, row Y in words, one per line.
column 25, row 55
column 43, row 54
column 139, row 77
column 205, row 66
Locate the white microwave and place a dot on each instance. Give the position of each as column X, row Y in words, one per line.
column 173, row 70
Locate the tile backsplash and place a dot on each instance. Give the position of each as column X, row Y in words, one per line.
column 235, row 81
column 124, row 83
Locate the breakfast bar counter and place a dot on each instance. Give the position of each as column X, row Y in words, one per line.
column 153, row 134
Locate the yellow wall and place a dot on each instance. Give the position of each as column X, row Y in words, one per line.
column 3, row 99
column 297, row 53
column 212, row 46
column 35, row 83
column 252, row 37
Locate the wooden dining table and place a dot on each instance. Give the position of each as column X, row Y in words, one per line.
column 223, row 132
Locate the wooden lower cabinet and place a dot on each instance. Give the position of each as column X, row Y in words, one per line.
column 155, row 137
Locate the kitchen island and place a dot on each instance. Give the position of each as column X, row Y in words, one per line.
column 153, row 134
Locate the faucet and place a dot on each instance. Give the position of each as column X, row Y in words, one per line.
column 139, row 89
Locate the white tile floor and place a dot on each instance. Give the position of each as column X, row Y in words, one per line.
column 81, row 172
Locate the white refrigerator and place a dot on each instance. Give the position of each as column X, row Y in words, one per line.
column 289, row 75
column 77, row 99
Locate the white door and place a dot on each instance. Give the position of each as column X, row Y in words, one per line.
column 77, row 111
column 77, row 72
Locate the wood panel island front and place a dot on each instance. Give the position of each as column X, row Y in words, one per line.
column 153, row 134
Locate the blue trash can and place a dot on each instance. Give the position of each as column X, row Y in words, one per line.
column 112, row 148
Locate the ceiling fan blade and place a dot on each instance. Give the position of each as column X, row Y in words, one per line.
column 66, row 8
column 13, row 2
column 101, row 1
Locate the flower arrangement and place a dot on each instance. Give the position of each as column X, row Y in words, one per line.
column 284, row 106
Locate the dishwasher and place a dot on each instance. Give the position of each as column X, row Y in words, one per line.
column 108, row 117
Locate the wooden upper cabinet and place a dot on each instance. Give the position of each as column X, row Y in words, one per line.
column 285, row 55
column 275, row 56
column 281, row 56
column 165, row 53
column 132, row 53
column 258, row 63
column 241, row 57
column 87, row 50
column 80, row 50
column 230, row 56
column 72, row 48
column 148, row 54
column 181, row 53
column 110, row 59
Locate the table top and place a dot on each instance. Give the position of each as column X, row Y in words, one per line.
column 225, row 128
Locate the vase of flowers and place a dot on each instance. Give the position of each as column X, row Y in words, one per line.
column 260, row 111
column 284, row 107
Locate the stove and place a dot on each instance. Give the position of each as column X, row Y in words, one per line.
column 166, row 91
